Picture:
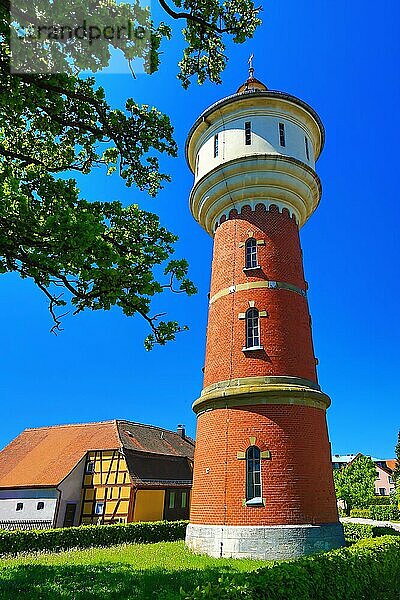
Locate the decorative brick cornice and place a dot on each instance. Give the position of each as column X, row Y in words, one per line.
column 260, row 179
column 261, row 390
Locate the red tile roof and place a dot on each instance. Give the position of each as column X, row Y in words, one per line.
column 43, row 457
column 391, row 463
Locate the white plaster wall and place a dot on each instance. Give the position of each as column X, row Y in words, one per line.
column 71, row 490
column 265, row 140
column 54, row 510
column 30, row 499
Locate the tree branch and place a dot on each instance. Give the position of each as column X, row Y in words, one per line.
column 170, row 285
column 29, row 160
column 190, row 17
column 53, row 301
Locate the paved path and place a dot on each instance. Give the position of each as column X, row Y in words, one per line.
column 395, row 526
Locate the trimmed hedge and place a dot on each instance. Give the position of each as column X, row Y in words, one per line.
column 385, row 513
column 369, row 570
column 55, row 540
column 379, row 500
column 379, row 512
column 361, row 513
column 354, row 532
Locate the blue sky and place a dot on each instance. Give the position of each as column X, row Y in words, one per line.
column 342, row 58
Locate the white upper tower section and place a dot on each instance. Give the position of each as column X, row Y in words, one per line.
column 256, row 146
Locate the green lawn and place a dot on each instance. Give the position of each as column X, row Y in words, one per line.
column 139, row 571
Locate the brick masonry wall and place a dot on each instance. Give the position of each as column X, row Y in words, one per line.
column 286, row 331
column 297, row 478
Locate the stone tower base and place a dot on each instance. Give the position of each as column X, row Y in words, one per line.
column 266, row 542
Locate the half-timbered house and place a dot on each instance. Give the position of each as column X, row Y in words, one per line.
column 95, row 473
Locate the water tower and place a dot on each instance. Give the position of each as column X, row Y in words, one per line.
column 263, row 484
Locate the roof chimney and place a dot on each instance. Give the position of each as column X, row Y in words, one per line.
column 181, row 431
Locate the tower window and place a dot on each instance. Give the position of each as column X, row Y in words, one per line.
column 282, row 135
column 40, row 506
column 20, row 506
column 216, row 145
column 247, row 133
column 252, row 328
column 197, row 164
column 251, row 253
column 307, row 148
column 253, row 474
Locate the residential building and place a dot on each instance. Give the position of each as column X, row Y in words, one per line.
column 95, row 473
column 384, row 483
column 341, row 460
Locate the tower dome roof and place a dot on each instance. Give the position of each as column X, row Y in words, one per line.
column 252, row 85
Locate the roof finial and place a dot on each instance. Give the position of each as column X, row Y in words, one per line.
column 251, row 68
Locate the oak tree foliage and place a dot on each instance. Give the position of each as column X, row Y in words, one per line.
column 355, row 483
column 96, row 255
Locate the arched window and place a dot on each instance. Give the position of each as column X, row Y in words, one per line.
column 251, row 253
column 252, row 328
column 253, row 474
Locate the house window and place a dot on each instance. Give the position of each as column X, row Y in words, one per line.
column 382, row 492
column 377, row 475
column 247, row 133
column 216, row 145
column 40, row 506
column 90, row 467
column 251, row 253
column 390, row 479
column 184, row 500
column 253, row 474
column 307, row 148
column 282, row 135
column 20, row 506
column 172, row 500
column 99, row 508
column 252, row 328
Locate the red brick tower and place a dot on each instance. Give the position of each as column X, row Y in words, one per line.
column 263, row 482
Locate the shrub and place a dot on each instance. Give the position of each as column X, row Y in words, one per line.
column 382, row 512
column 379, row 500
column 13, row 542
column 380, row 531
column 385, row 513
column 354, row 532
column 361, row 513
column 369, row 570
